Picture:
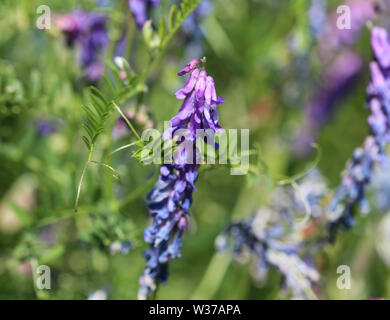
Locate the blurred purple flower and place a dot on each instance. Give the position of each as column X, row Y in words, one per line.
column 359, row 170
column 338, row 79
column 139, row 9
column 88, row 31
column 333, row 38
column 171, row 198
column 342, row 69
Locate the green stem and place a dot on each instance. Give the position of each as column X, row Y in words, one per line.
column 127, row 121
column 114, row 172
column 300, row 175
column 51, row 220
column 81, row 181
column 213, row 276
column 219, row 263
column 177, row 26
column 123, row 147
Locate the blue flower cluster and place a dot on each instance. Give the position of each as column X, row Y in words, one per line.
column 275, row 236
column 359, row 170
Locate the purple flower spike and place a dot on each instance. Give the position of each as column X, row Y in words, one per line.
column 351, row 193
column 189, row 67
column 171, row 198
column 199, row 107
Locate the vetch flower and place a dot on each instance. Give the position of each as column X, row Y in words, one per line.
column 171, row 198
column 358, row 173
column 342, row 67
column 199, row 109
column 189, row 67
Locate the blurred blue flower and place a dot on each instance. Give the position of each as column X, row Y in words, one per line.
column 359, row 170
column 381, row 186
column 317, row 16
column 120, row 247
column 275, row 236
column 191, row 24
